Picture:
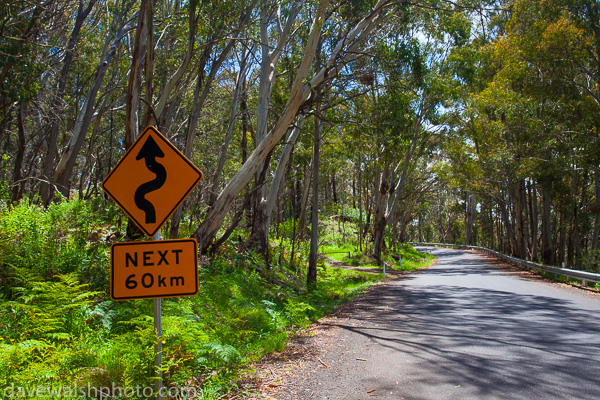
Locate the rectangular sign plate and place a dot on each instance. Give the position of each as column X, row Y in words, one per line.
column 153, row 269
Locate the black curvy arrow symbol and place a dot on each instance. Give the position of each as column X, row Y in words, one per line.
column 149, row 152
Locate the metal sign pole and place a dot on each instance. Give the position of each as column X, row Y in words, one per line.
column 158, row 330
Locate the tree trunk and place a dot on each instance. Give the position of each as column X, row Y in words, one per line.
column 259, row 238
column 17, row 190
column 533, row 219
column 353, row 192
column 246, row 124
column 263, row 204
column 470, row 218
column 304, row 199
column 134, row 88
column 396, row 193
column 562, row 239
column 224, row 148
column 547, row 253
column 360, row 205
column 334, row 189
column 311, row 276
column 573, row 237
column 58, row 106
column 520, row 249
column 492, row 227
column 380, row 221
column 158, row 117
column 63, row 173
column 369, row 210
column 270, row 59
column 510, row 234
column 133, row 95
column 297, row 196
column 596, row 232
column 282, row 166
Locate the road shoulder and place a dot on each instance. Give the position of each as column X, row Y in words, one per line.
column 280, row 376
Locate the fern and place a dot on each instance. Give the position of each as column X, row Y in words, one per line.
column 51, row 309
column 222, row 353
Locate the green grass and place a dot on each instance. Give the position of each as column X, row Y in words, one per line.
column 344, row 248
column 411, row 259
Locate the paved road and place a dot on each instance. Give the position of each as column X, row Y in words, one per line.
column 463, row 329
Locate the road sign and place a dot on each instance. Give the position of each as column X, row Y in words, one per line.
column 153, row 269
column 151, row 180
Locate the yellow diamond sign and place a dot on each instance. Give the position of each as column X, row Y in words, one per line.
column 151, row 180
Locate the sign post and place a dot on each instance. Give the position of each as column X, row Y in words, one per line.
column 158, row 332
column 149, row 183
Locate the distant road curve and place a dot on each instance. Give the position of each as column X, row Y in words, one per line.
column 568, row 272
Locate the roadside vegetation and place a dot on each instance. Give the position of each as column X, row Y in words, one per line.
column 59, row 327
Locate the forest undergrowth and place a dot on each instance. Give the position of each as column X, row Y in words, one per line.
column 62, row 336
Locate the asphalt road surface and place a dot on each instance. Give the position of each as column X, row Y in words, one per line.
column 463, row 329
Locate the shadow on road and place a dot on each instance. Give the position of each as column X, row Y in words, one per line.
column 495, row 340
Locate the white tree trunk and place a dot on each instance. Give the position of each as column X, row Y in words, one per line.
column 173, row 80
column 299, row 92
column 206, row 231
column 223, row 156
column 281, row 166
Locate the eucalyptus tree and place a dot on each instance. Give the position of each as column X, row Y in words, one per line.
column 529, row 123
column 223, row 24
column 407, row 107
column 62, row 37
column 21, row 69
column 120, row 25
column 47, row 188
column 277, row 28
column 300, row 91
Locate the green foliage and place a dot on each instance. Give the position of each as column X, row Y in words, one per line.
column 63, row 239
column 591, row 262
column 289, row 227
column 46, row 327
column 48, row 309
column 343, row 247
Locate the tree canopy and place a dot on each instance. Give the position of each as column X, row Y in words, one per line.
column 473, row 121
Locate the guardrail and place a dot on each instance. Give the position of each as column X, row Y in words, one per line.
column 584, row 276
